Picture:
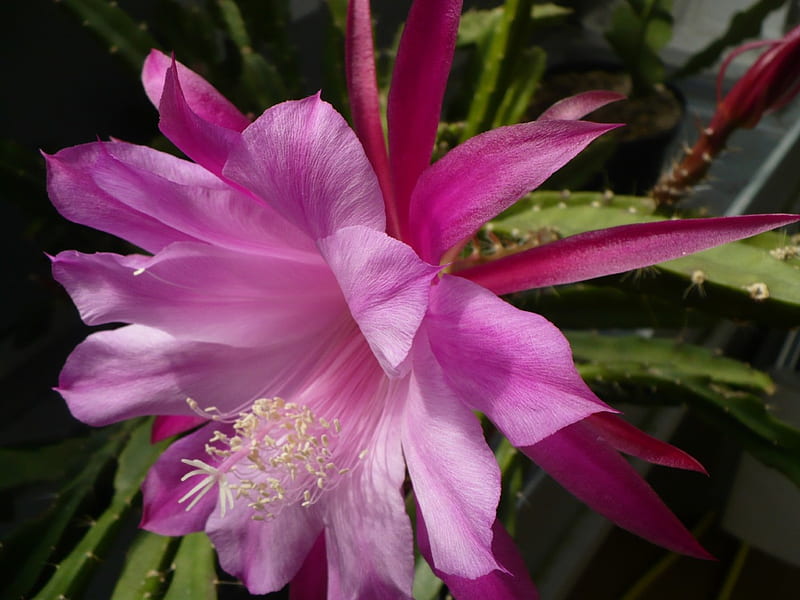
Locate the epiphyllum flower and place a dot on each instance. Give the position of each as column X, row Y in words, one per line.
column 323, row 357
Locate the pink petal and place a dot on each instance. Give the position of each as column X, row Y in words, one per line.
column 311, row 581
column 513, row 366
column 386, row 287
column 161, row 490
column 415, row 98
column 579, row 105
column 454, row 473
column 204, row 100
column 265, row 555
column 616, row 249
column 368, row 536
column 135, row 371
column 77, row 197
column 509, row 582
column 596, row 474
column 166, row 426
column 302, row 159
column 362, row 90
column 480, row 178
column 630, row 440
column 152, row 199
column 205, row 293
column 205, row 142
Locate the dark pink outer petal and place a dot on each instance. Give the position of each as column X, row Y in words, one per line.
column 166, row 426
column 386, row 287
column 510, row 582
column 454, row 473
column 152, row 199
column 579, row 105
column 311, row 581
column 204, row 141
column 161, row 490
column 415, row 98
column 616, row 249
column 135, row 371
column 630, row 440
column 595, row 473
column 513, row 366
column 302, row 159
column 201, row 96
column 480, row 178
column 362, row 90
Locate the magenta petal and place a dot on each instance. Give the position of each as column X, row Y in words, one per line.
column 205, row 293
column 616, row 249
column 386, row 287
column 415, row 98
column 579, row 105
column 203, row 98
column 205, row 142
column 166, row 426
column 265, row 555
column 513, row 366
column 161, row 490
column 368, row 534
column 480, row 178
column 510, row 582
column 153, row 199
column 303, row 160
column 595, row 473
column 78, row 197
column 362, row 90
column 135, row 371
column 454, row 473
column 630, row 440
column 311, row 581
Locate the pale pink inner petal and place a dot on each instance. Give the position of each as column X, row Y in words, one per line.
column 206, row 293
column 303, row 160
column 454, row 473
column 386, row 288
column 136, row 370
column 201, row 96
column 513, row 366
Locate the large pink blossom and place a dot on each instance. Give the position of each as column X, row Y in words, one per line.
column 290, row 304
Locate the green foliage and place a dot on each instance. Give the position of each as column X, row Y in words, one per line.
column 146, row 567
column 113, row 25
column 73, row 572
column 725, row 392
column 754, row 279
column 744, row 24
column 638, row 31
column 506, row 70
column 195, row 575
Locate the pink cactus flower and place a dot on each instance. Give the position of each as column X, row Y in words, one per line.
column 291, row 305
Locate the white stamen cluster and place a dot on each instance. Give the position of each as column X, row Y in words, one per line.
column 280, row 454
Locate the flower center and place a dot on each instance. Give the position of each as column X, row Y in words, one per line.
column 280, row 454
